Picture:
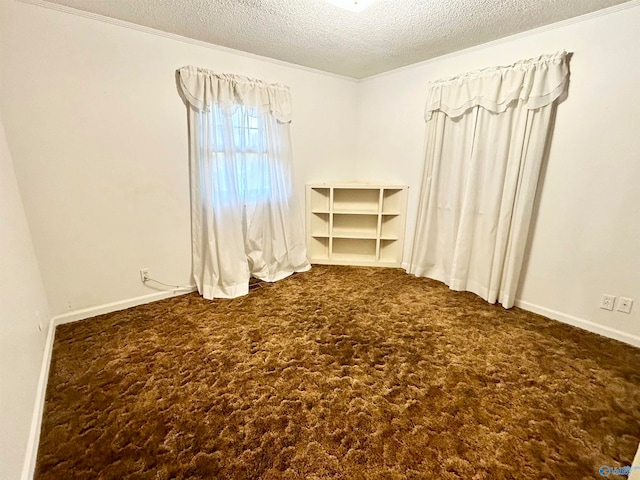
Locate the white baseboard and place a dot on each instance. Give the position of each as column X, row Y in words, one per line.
column 635, row 473
column 29, row 466
column 28, row 469
column 575, row 321
column 76, row 315
column 581, row 323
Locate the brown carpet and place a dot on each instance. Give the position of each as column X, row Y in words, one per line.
column 342, row 373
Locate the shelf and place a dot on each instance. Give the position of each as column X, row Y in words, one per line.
column 392, row 200
column 356, row 224
column 320, row 224
column 355, row 212
column 364, row 236
column 357, row 248
column 319, row 248
column 389, row 227
column 390, row 251
column 356, row 200
column 320, row 200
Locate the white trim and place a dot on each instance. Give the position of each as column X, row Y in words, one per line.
column 635, row 473
column 580, row 323
column 173, row 36
column 28, row 468
column 120, row 305
column 570, row 320
column 545, row 28
column 31, row 455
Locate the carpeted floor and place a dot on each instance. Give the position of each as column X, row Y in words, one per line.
column 342, row 373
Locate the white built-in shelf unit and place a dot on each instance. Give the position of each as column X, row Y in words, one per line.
column 356, row 224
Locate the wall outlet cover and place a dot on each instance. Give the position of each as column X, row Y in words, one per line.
column 144, row 274
column 607, row 302
column 624, row 304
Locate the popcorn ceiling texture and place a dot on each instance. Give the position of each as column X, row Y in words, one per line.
column 317, row 34
column 337, row 373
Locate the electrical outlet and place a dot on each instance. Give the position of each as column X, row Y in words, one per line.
column 144, row 274
column 607, row 302
column 624, row 304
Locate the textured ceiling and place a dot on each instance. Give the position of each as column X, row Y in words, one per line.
column 314, row 33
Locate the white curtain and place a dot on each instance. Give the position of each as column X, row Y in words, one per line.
column 487, row 132
column 244, row 218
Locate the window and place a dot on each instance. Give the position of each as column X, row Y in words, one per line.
column 240, row 154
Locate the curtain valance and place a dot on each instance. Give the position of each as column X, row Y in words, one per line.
column 203, row 88
column 536, row 82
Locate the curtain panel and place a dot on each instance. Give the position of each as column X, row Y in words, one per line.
column 487, row 134
column 244, row 218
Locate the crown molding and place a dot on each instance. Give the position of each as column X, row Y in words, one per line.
column 499, row 41
column 172, row 36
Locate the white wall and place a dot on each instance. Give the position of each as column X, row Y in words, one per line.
column 23, row 305
column 24, row 313
column 586, row 237
column 99, row 141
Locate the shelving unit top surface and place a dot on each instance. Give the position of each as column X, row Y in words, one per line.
column 372, row 186
column 355, row 211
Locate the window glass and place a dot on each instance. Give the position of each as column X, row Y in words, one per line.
column 240, row 152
